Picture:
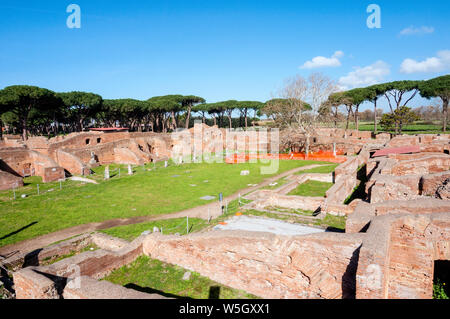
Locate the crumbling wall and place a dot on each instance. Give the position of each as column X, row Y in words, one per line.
column 24, row 162
column 269, row 266
column 365, row 212
column 49, row 282
column 397, row 257
column 124, row 155
column 345, row 176
column 9, row 181
column 71, row 163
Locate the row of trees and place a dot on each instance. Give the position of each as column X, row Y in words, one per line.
column 36, row 111
column 299, row 106
column 398, row 94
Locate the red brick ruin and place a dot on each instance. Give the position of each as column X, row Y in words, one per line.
column 392, row 240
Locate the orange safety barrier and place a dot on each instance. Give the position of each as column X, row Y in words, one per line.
column 321, row 156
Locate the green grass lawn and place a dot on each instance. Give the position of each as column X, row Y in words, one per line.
column 154, row 276
column 160, row 191
column 178, row 225
column 277, row 183
column 419, row 127
column 312, row 188
column 168, row 226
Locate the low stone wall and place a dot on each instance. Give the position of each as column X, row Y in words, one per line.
column 400, row 141
column 24, row 162
column 430, row 183
column 268, row 198
column 310, row 266
column 407, row 176
column 387, row 187
column 88, row 288
column 9, row 181
column 49, row 282
column 342, row 189
column 397, row 256
column 424, row 165
column 37, row 257
column 365, row 212
column 345, row 177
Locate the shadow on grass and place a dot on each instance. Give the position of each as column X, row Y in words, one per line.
column 148, row 290
column 214, row 292
column 18, row 231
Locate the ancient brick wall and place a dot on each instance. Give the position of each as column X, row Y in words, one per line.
column 71, row 163
column 48, row 282
column 124, row 155
column 9, row 181
column 397, row 256
column 365, row 212
column 30, row 163
column 427, row 164
column 311, row 266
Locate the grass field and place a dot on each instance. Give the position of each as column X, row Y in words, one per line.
column 311, row 188
column 160, row 191
column 153, row 276
column 168, row 226
column 415, row 128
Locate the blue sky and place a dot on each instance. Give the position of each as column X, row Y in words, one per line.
column 218, row 49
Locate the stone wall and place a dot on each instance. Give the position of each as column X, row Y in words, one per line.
column 267, row 198
column 397, row 257
column 310, row 266
column 49, row 282
column 406, row 176
column 345, row 176
column 364, row 212
column 24, row 162
column 71, row 163
column 9, row 181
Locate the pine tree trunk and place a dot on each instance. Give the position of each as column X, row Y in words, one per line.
column 348, row 117
column 174, row 121
column 246, row 119
column 24, row 129
column 375, row 116
column 188, row 117
column 357, row 118
column 445, row 111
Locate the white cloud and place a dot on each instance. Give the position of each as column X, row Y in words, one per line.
column 417, row 31
column 434, row 64
column 368, row 75
column 320, row 61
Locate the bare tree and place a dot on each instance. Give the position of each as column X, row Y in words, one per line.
column 319, row 89
column 297, row 108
